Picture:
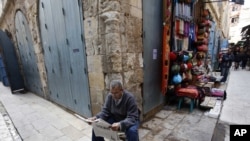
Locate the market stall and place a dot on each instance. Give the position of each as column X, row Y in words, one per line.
column 191, row 77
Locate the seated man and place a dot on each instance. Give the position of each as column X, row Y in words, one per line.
column 121, row 111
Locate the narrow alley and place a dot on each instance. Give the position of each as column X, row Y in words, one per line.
column 58, row 58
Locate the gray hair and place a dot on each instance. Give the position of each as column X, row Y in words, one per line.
column 116, row 83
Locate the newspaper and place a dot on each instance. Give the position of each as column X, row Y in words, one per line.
column 85, row 119
column 102, row 129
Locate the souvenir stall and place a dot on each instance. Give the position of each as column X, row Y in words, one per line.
column 190, row 71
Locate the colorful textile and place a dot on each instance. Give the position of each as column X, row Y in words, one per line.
column 188, row 92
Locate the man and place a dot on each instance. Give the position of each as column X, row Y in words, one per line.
column 237, row 58
column 120, row 110
column 226, row 63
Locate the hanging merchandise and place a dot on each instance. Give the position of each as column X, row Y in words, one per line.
column 184, row 31
column 200, row 55
column 192, row 36
column 180, row 56
column 183, row 67
column 177, row 79
column 186, row 28
column 190, row 55
column 182, row 28
column 189, row 49
column 189, row 65
column 166, row 55
column 183, row 9
column 202, row 48
column 183, row 34
column 203, row 31
column 173, row 56
column 185, row 58
column 175, row 69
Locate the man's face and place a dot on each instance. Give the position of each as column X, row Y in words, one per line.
column 116, row 93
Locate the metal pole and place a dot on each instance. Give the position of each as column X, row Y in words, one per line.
column 215, row 1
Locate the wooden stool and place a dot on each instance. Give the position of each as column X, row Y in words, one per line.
column 188, row 92
column 192, row 102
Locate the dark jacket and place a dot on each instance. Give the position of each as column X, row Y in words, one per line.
column 126, row 112
column 237, row 56
column 227, row 60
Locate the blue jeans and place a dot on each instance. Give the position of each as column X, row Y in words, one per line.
column 131, row 132
column 224, row 73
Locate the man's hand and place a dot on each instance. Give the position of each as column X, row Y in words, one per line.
column 91, row 119
column 115, row 126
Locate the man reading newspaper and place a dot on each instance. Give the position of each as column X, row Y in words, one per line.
column 120, row 111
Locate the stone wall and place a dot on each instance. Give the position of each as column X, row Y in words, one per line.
column 113, row 38
column 113, row 32
column 7, row 22
column 220, row 13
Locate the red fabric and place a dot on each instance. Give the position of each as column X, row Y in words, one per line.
column 190, row 65
column 173, row 56
column 177, row 26
column 188, row 92
column 202, row 48
column 205, row 41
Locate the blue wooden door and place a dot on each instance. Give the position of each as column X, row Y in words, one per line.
column 27, row 55
column 64, row 53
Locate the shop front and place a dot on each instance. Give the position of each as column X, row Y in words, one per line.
column 194, row 44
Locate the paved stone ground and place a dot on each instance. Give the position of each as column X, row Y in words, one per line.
column 37, row 119
column 179, row 125
column 235, row 107
column 8, row 131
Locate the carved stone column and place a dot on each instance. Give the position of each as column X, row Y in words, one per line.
column 112, row 41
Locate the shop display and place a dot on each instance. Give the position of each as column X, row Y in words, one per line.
column 190, row 69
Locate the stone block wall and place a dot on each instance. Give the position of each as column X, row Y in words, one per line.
column 113, row 32
column 220, row 12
